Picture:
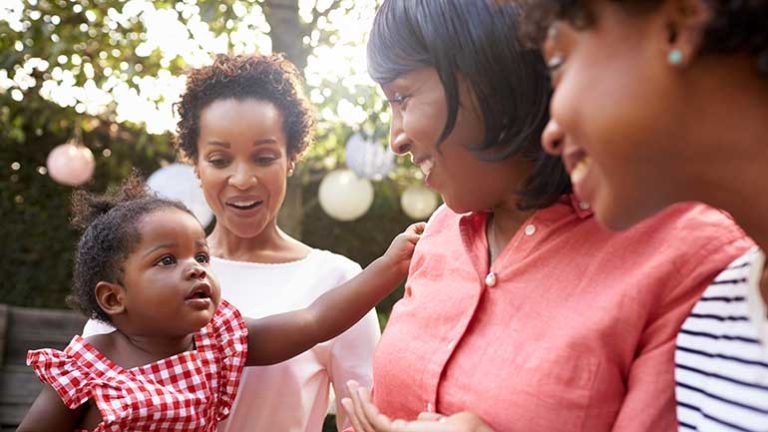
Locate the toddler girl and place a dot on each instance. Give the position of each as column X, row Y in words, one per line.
column 175, row 361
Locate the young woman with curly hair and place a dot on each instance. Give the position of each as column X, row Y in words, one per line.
column 665, row 101
column 243, row 123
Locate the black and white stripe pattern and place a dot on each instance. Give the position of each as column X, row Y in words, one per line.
column 721, row 365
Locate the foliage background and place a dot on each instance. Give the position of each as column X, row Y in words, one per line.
column 104, row 50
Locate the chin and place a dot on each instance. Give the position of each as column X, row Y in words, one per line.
column 461, row 206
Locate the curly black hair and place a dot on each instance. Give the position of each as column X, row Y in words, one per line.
column 270, row 78
column 110, row 224
column 737, row 26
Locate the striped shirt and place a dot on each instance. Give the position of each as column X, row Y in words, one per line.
column 721, row 361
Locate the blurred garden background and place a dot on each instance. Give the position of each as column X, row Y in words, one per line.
column 104, row 75
column 109, row 71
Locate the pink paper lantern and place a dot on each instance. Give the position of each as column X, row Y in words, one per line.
column 71, row 164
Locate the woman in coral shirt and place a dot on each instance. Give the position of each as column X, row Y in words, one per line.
column 519, row 307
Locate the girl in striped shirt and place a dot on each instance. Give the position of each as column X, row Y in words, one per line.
column 663, row 101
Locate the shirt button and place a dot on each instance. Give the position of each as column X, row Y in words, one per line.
column 530, row 230
column 490, row 280
column 584, row 205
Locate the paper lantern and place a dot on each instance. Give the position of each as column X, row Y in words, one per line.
column 71, row 164
column 179, row 182
column 344, row 196
column 368, row 159
column 418, row 202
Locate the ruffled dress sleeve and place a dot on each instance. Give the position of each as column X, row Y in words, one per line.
column 65, row 372
column 230, row 338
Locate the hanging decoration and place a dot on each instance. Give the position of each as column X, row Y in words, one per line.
column 344, row 195
column 71, row 163
column 179, row 182
column 418, row 202
column 367, row 158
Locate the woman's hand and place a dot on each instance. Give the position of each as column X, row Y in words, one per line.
column 400, row 251
column 365, row 417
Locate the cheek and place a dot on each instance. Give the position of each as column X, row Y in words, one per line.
column 422, row 125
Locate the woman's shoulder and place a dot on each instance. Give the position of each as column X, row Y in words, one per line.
column 332, row 261
column 694, row 220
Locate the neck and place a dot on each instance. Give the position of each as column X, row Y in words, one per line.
column 505, row 220
column 270, row 242
column 728, row 159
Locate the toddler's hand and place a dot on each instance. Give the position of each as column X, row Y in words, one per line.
column 400, row 251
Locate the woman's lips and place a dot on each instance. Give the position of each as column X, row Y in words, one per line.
column 426, row 166
column 580, row 170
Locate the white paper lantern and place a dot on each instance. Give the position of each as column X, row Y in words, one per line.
column 418, row 202
column 344, row 196
column 179, row 182
column 70, row 164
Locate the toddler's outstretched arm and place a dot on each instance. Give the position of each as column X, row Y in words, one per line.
column 279, row 337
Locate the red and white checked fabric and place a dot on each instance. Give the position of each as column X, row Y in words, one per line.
column 191, row 391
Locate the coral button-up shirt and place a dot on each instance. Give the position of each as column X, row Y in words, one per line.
column 572, row 328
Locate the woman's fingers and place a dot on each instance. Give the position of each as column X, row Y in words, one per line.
column 357, row 407
column 432, row 416
column 350, row 409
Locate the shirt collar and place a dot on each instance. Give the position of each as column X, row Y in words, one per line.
column 566, row 204
column 582, row 208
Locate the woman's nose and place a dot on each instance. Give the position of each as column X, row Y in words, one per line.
column 242, row 179
column 399, row 142
column 552, row 138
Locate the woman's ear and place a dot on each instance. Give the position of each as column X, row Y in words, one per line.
column 686, row 20
column 110, row 298
column 291, row 165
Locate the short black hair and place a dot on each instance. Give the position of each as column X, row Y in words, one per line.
column 270, row 78
column 478, row 40
column 110, row 224
column 737, row 26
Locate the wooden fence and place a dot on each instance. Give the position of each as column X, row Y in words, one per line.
column 23, row 329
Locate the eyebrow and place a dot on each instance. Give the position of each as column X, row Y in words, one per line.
column 198, row 243
column 158, row 247
column 224, row 144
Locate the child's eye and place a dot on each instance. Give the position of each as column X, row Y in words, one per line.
column 167, row 260
column 202, row 258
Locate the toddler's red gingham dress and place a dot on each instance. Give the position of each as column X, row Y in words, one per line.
column 191, row 391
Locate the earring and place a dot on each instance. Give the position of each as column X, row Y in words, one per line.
column 675, row 57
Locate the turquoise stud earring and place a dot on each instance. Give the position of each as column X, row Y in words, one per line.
column 675, row 57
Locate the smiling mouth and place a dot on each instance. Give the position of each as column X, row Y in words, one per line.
column 245, row 205
column 580, row 169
